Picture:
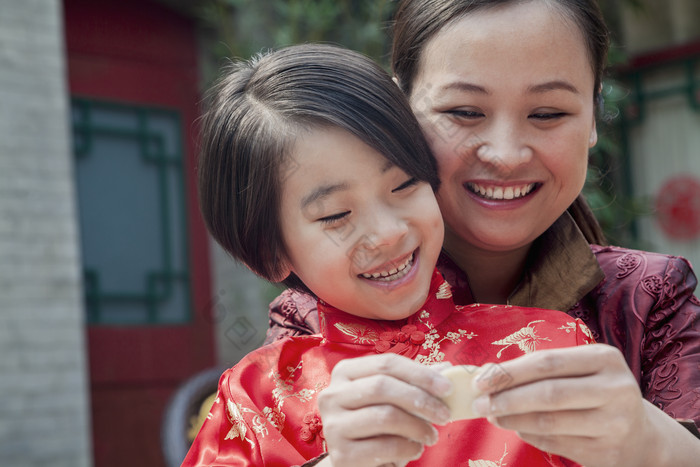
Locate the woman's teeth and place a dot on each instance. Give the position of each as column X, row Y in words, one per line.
column 510, row 192
column 392, row 275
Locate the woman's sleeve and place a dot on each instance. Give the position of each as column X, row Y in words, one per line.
column 671, row 347
column 292, row 313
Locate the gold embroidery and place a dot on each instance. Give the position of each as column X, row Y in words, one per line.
column 433, row 341
column 526, row 339
column 568, row 327
column 586, row 331
column 485, row 463
column 444, row 292
column 360, row 334
column 239, row 429
column 284, row 390
column 571, row 326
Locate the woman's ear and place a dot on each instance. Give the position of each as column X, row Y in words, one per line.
column 593, row 138
column 396, row 81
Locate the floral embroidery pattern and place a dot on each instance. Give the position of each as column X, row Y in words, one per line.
column 571, row 327
column 526, row 339
column 627, row 263
column 433, row 341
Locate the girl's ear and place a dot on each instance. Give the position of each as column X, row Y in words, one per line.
column 396, row 81
column 284, row 270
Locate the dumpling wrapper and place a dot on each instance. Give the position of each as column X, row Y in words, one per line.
column 459, row 401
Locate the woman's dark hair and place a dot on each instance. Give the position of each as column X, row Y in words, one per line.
column 254, row 113
column 417, row 21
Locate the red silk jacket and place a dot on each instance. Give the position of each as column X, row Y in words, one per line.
column 266, row 412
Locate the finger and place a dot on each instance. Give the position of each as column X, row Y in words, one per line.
column 550, row 363
column 545, row 396
column 399, row 367
column 381, row 420
column 386, row 390
column 584, row 423
column 377, row 451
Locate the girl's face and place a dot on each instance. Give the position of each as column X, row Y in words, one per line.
column 359, row 232
column 505, row 98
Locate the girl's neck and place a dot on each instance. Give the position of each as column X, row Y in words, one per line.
column 492, row 275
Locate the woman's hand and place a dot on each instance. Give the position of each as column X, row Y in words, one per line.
column 380, row 410
column 583, row 403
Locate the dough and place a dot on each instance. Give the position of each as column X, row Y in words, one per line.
column 463, row 394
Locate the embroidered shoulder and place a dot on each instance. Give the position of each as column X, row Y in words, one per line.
column 526, row 339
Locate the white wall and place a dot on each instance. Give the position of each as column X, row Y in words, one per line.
column 44, row 416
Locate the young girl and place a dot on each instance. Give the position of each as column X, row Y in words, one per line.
column 314, row 172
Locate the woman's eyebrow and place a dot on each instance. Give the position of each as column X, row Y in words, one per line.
column 464, row 87
column 322, row 191
column 555, row 85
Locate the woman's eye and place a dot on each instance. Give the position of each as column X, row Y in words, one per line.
column 409, row 183
column 329, row 220
column 545, row 116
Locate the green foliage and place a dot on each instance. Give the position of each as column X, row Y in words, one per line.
column 246, row 27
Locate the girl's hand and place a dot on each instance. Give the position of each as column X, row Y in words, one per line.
column 582, row 403
column 380, row 410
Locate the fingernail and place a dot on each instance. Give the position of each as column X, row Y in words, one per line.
column 442, row 386
column 433, row 437
column 480, row 406
column 442, row 416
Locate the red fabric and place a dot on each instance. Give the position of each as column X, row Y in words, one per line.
column 266, row 412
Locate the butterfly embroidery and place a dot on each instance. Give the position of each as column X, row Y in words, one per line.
column 526, row 339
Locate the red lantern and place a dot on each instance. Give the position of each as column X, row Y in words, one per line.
column 678, row 208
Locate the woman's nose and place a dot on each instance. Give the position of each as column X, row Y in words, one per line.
column 505, row 148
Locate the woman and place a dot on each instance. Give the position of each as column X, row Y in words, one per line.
column 506, row 92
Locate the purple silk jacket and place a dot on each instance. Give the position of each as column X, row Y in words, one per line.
column 642, row 303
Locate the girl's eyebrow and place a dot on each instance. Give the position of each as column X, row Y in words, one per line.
column 322, row 191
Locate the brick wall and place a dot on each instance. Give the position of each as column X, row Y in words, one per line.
column 44, row 418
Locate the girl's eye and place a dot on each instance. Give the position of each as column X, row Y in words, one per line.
column 329, row 220
column 465, row 114
column 412, row 181
column 545, row 116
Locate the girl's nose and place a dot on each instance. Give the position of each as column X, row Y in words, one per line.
column 385, row 227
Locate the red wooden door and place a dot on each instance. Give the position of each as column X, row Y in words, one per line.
column 133, row 76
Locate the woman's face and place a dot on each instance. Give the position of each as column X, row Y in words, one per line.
column 505, row 98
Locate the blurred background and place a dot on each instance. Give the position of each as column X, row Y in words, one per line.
column 112, row 295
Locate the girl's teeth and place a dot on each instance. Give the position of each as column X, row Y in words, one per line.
column 396, row 273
